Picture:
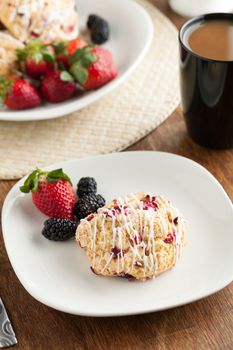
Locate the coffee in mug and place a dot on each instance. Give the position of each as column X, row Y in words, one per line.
column 206, row 78
column 211, row 39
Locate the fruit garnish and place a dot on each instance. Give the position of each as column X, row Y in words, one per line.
column 86, row 185
column 36, row 59
column 92, row 67
column 18, row 94
column 80, row 61
column 59, row 229
column 88, row 202
column 87, row 205
column 99, row 29
column 58, row 86
column 65, row 50
column 52, row 193
column 59, row 70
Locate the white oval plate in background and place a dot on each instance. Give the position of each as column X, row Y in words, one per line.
column 131, row 36
column 58, row 274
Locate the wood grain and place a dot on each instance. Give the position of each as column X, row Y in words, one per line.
column 206, row 324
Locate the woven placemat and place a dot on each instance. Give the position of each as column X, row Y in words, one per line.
column 115, row 122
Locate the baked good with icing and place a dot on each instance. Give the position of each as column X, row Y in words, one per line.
column 7, row 52
column 46, row 20
column 138, row 237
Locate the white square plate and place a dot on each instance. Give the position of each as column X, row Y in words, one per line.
column 58, row 274
column 131, row 36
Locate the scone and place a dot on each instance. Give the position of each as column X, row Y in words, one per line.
column 7, row 52
column 138, row 237
column 47, row 20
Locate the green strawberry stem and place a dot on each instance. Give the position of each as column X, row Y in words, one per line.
column 66, row 76
column 79, row 73
column 5, row 86
column 61, row 48
column 80, row 61
column 31, row 184
column 37, row 51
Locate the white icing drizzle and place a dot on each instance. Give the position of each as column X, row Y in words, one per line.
column 179, row 236
column 114, row 231
column 108, row 262
column 118, row 264
column 103, row 230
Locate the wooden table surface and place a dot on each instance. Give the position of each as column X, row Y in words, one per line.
column 206, row 324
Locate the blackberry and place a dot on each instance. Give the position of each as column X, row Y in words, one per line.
column 100, row 33
column 59, row 229
column 84, row 207
column 86, row 185
column 99, row 29
column 92, row 19
column 100, row 201
column 87, row 205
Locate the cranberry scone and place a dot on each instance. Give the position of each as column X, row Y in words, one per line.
column 7, row 52
column 47, row 20
column 138, row 237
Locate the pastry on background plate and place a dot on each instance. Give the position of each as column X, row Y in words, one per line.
column 7, row 52
column 138, row 237
column 47, row 20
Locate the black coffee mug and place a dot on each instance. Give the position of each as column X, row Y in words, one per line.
column 206, row 92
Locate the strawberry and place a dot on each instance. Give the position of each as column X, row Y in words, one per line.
column 52, row 193
column 36, row 59
column 92, row 67
column 65, row 50
column 58, row 86
column 19, row 94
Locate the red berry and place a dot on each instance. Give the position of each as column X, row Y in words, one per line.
column 52, row 193
column 55, row 89
column 65, row 51
column 22, row 95
column 55, row 199
column 36, row 59
column 102, row 71
column 93, row 67
column 37, row 70
column 75, row 44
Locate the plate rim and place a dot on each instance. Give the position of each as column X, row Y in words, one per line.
column 144, row 310
column 57, row 110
